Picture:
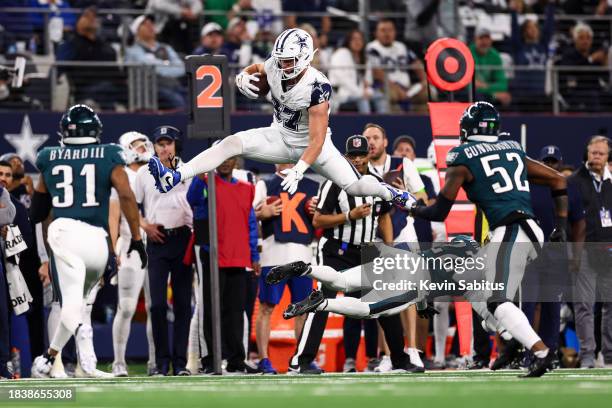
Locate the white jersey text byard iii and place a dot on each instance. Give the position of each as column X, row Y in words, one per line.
column 291, row 105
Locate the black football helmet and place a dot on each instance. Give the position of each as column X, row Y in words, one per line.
column 480, row 122
column 80, row 125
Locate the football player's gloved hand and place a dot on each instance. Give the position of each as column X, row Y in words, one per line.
column 139, row 247
column 293, row 176
column 559, row 233
column 427, row 312
column 243, row 83
column 415, row 207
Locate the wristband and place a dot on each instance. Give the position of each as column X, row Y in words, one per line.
column 558, row 193
column 301, row 166
column 348, row 216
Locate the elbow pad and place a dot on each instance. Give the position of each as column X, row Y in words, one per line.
column 41, row 207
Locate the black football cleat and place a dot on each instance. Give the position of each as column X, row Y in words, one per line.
column 290, row 270
column 478, row 364
column 305, row 306
column 506, row 357
column 540, row 366
column 408, row 367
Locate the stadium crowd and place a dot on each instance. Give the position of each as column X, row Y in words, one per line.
column 382, row 75
column 515, row 52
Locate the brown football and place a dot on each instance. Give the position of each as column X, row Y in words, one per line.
column 262, row 84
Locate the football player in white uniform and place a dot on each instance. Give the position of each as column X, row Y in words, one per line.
column 299, row 132
column 130, row 276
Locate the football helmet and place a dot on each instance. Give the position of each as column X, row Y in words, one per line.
column 80, row 125
column 480, row 123
column 138, row 148
column 293, row 44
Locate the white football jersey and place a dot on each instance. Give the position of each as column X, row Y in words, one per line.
column 291, row 107
column 394, row 58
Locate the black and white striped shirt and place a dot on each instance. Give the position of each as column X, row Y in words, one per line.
column 334, row 200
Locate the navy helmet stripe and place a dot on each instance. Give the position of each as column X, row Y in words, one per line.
column 282, row 45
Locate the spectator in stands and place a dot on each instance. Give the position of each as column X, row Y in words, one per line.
column 237, row 246
column 395, row 68
column 211, row 39
column 348, row 76
column 491, row 82
column 169, row 67
column 321, row 58
column 237, row 45
column 321, row 24
column 176, row 21
column 592, row 272
column 104, row 85
column 219, row 6
column 267, row 14
column 21, row 185
column 530, row 50
column 426, row 21
column 581, row 90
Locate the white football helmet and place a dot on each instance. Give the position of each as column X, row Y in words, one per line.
column 138, row 148
column 293, row 44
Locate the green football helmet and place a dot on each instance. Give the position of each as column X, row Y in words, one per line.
column 466, row 241
column 480, row 123
column 80, row 125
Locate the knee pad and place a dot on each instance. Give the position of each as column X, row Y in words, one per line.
column 493, row 303
column 232, row 144
column 127, row 307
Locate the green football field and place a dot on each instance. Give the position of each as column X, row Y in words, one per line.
column 562, row 388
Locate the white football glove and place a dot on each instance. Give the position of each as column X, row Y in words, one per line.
column 243, row 82
column 293, row 176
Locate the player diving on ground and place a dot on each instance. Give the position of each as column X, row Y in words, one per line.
column 376, row 301
column 299, row 132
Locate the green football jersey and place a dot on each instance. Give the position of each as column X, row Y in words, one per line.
column 79, row 180
column 499, row 185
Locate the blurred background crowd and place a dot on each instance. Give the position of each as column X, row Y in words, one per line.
column 531, row 55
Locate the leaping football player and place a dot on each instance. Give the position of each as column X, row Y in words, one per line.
column 495, row 175
column 75, row 182
column 299, row 132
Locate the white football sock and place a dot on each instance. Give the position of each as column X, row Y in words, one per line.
column 515, row 321
column 368, row 186
column 346, row 281
column 440, row 326
column 212, row 157
column 121, row 327
column 347, row 306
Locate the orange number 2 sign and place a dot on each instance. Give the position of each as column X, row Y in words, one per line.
column 205, row 98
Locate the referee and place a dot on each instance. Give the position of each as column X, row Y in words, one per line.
column 348, row 222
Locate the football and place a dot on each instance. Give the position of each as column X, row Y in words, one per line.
column 262, row 84
column 272, row 199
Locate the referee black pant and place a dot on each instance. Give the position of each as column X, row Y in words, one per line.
column 233, row 298
column 312, row 334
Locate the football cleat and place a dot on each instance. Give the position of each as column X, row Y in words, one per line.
column 385, row 365
column 506, row 357
column 165, row 178
column 400, row 198
column 41, row 367
column 305, row 306
column 80, row 372
column 407, row 367
column 288, row 271
column 540, row 366
column 349, row 366
column 120, row 369
column 240, row 369
column 312, row 369
column 266, row 367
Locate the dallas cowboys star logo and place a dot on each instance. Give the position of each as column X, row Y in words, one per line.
column 26, row 142
column 320, row 91
column 301, row 41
